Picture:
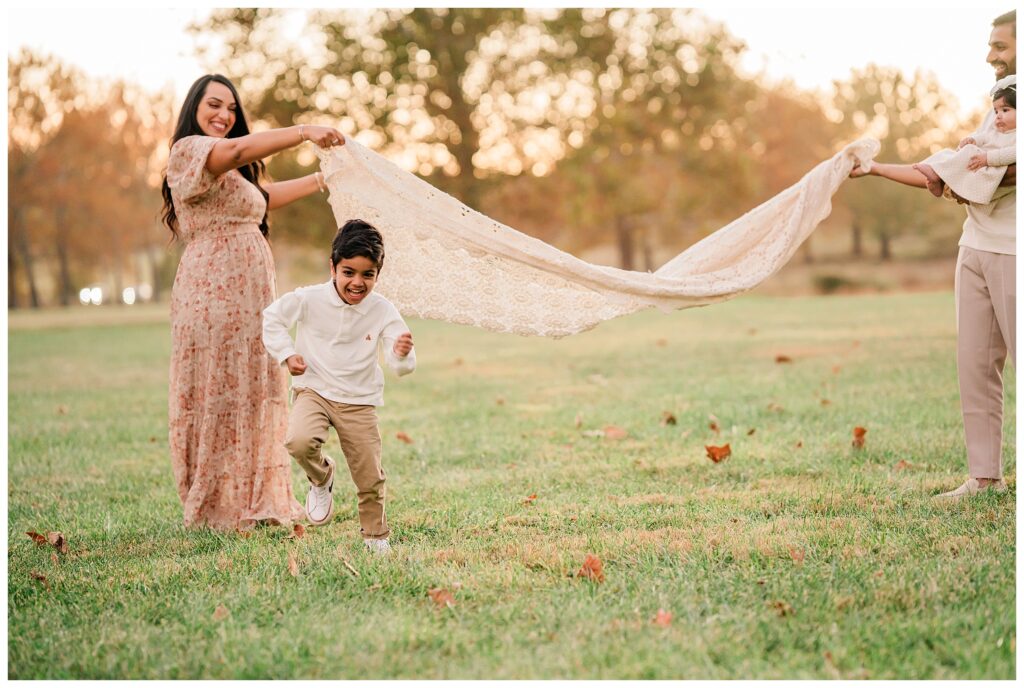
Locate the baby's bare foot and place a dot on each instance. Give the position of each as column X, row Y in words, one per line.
column 932, row 180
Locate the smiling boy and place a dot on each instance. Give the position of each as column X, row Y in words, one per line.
column 337, row 380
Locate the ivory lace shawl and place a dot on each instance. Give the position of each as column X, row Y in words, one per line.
column 445, row 261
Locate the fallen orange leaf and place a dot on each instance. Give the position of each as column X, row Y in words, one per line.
column 36, row 537
column 221, row 613
column 751, row 431
column 530, row 500
column 293, row 566
column 298, row 532
column 825, row 402
column 903, row 465
column 41, row 578
column 858, row 436
column 713, row 425
column 614, row 432
column 442, row 597
column 592, row 569
column 718, row 454
column 661, row 342
column 663, row 618
column 781, row 608
column 668, row 418
column 403, row 437
column 797, row 555
column 782, row 358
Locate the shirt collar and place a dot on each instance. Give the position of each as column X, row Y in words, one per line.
column 332, row 296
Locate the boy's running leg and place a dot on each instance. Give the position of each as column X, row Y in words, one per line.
column 360, row 440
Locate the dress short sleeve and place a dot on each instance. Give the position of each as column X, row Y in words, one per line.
column 187, row 175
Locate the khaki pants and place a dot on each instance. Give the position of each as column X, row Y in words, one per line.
column 986, row 302
column 356, row 426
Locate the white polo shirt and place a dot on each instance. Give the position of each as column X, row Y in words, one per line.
column 339, row 342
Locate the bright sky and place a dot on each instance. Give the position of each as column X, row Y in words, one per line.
column 810, row 45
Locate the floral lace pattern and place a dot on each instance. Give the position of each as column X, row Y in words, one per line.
column 511, row 282
column 227, row 398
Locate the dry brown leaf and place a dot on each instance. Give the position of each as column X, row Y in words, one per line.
column 825, row 402
column 152, row 440
column 293, row 566
column 799, row 444
column 751, row 431
column 221, row 613
column 797, row 554
column 614, row 432
column 752, row 331
column 714, row 424
column 298, row 532
column 403, row 437
column 41, row 578
column 663, row 618
column 903, row 465
column 592, row 569
column 718, row 454
column 782, row 358
column 442, row 597
column 775, row 408
column 781, row 608
column 62, row 410
column 531, row 499
column 668, row 418
column 661, row 342
column 37, row 538
column 458, row 362
column 243, row 533
column 58, row 541
column 500, row 401
column 858, row 436
column 836, row 369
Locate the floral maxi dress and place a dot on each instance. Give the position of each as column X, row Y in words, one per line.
column 227, row 401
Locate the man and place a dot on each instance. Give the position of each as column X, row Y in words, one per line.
column 986, row 295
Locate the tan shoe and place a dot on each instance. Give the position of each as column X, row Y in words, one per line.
column 971, row 487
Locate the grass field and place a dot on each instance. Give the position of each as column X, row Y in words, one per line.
column 799, row 556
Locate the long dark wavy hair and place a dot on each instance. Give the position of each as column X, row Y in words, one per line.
column 188, row 125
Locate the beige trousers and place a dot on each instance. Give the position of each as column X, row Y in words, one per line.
column 986, row 303
column 356, row 425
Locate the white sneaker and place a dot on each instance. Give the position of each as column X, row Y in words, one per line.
column 378, row 546
column 971, row 487
column 320, row 499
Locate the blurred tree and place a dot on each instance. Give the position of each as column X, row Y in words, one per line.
column 913, row 118
column 658, row 147
column 399, row 75
column 82, row 160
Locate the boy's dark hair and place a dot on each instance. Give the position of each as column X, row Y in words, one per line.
column 358, row 238
column 1008, row 18
column 1009, row 94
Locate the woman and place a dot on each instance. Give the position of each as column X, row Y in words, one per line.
column 228, row 409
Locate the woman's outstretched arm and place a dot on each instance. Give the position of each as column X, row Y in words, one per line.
column 283, row 193
column 230, row 154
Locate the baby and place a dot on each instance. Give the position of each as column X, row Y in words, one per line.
column 974, row 170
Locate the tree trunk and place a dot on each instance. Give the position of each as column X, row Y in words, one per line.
column 648, row 251
column 857, row 235
column 64, row 287
column 25, row 256
column 625, row 240
column 885, row 247
column 12, row 287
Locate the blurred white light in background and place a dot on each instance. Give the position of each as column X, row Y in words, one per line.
column 85, row 296
column 145, row 292
column 96, row 295
column 128, row 295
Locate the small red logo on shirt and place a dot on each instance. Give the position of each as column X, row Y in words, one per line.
column 368, row 338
